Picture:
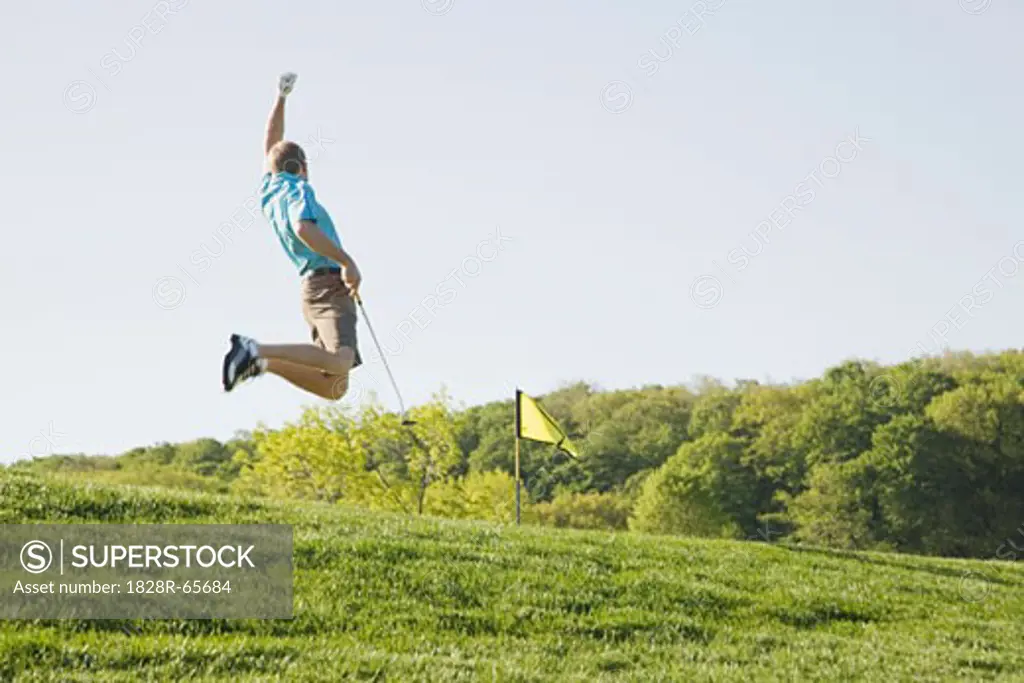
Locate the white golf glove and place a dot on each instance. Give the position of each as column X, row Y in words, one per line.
column 287, row 83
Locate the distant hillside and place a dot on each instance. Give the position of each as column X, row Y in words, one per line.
column 200, row 465
column 924, row 457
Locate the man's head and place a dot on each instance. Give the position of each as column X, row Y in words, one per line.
column 288, row 157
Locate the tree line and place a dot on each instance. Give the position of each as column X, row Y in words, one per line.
column 924, row 457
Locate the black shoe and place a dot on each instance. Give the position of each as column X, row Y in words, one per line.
column 241, row 362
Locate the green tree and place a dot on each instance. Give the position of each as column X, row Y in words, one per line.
column 434, row 454
column 640, row 434
column 477, row 495
column 703, row 490
column 202, row 456
column 582, row 511
column 320, row 457
column 712, row 410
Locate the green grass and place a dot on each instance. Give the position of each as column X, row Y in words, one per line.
column 391, row 598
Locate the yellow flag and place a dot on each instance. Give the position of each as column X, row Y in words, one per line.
column 533, row 423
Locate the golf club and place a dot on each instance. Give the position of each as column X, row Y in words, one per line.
column 406, row 422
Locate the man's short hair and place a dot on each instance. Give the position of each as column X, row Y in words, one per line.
column 286, row 157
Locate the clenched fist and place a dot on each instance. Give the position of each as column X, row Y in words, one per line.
column 287, row 83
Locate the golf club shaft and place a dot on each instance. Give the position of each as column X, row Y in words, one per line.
column 380, row 351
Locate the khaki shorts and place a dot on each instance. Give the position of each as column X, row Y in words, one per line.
column 330, row 313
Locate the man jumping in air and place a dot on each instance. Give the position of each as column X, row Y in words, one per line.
column 330, row 278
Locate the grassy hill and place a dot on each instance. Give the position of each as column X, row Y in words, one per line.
column 393, row 598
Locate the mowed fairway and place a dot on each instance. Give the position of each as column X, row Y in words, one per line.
column 389, row 598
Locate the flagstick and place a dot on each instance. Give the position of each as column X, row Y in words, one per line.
column 517, row 456
column 517, row 481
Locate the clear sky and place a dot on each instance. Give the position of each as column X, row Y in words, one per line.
column 665, row 188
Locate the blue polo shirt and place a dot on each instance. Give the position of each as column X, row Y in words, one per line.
column 286, row 199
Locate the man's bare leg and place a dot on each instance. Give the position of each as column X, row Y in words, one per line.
column 330, row 387
column 310, row 356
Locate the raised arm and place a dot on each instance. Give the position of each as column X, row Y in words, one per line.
column 275, row 124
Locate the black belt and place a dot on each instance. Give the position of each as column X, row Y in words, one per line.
column 324, row 271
